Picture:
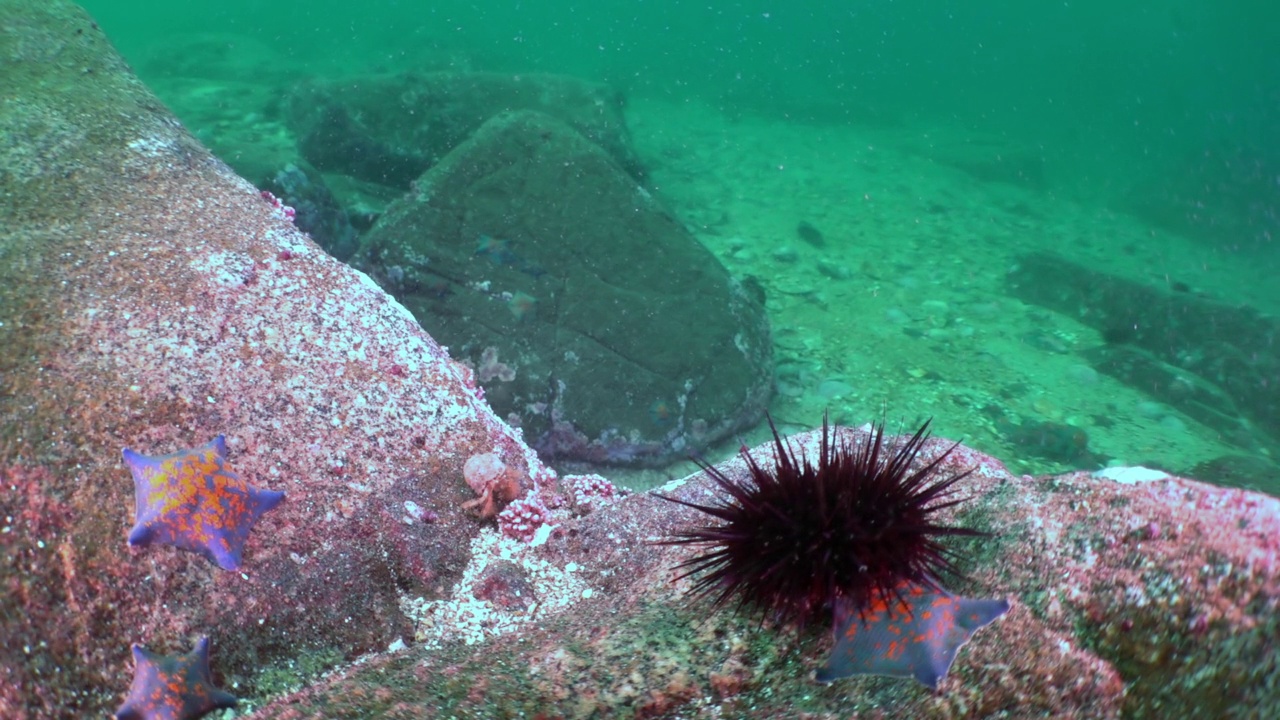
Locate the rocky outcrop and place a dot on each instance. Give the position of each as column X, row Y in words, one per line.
column 390, row 129
column 1132, row 592
column 1213, row 361
column 151, row 299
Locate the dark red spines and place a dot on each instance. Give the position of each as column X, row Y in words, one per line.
column 793, row 538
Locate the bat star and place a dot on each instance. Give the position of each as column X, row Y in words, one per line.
column 191, row 499
column 169, row 687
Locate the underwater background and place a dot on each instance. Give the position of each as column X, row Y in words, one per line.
column 356, row 418
column 882, row 167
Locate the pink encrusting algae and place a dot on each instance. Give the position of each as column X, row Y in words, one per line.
column 1097, row 630
column 1175, row 581
column 522, row 519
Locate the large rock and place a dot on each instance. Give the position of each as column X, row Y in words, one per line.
column 149, row 298
column 390, row 129
column 1215, row 362
column 1133, row 594
column 592, row 317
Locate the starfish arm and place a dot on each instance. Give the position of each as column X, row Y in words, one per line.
column 264, row 500
column 140, row 535
column 917, row 636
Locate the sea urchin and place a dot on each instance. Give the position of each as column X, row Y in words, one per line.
column 795, row 540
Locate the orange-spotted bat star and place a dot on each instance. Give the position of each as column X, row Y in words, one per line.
column 191, row 499
column 915, row 634
column 169, row 687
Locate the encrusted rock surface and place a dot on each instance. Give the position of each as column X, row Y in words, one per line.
column 149, row 298
column 1141, row 597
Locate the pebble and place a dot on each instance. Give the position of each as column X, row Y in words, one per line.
column 1082, row 374
column 935, row 308
column 1151, row 410
column 834, row 271
column 895, row 316
column 786, row 254
column 832, row 388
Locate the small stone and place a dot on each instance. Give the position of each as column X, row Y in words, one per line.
column 810, row 234
column 895, row 316
column 1151, row 410
column 833, row 388
column 834, row 271
column 785, row 254
column 1082, row 374
column 506, row 585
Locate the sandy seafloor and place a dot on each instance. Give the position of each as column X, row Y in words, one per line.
column 903, row 312
column 923, row 325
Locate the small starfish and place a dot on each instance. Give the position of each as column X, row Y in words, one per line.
column 167, row 687
column 917, row 635
column 192, row 500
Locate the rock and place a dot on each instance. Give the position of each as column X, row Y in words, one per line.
column 1127, row 599
column 810, row 234
column 1055, row 441
column 1248, row 471
column 785, row 254
column 593, row 319
column 390, row 129
column 506, row 585
column 990, row 160
column 1213, row 361
column 318, row 212
column 834, row 270
column 149, row 298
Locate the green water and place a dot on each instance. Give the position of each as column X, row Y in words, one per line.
column 1135, row 138
column 1113, row 93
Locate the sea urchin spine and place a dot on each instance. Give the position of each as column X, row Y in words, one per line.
column 794, row 537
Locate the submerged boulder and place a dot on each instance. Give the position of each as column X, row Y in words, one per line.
column 317, row 211
column 593, row 319
column 389, row 129
column 1214, row 361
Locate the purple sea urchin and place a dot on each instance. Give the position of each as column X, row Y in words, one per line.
column 794, row 539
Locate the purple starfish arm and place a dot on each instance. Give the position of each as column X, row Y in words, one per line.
column 915, row 634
